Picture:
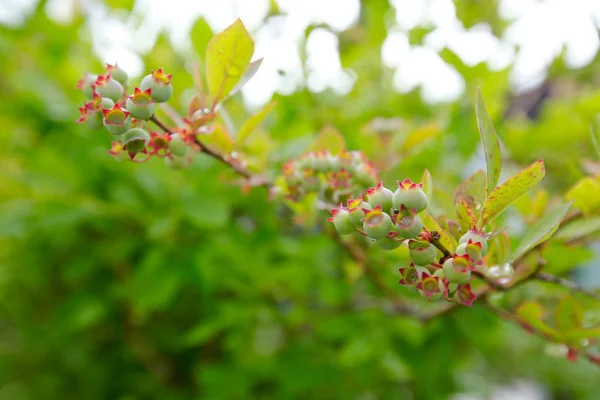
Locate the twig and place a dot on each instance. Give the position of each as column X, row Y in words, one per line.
column 435, row 240
column 593, row 358
column 160, row 124
column 574, row 287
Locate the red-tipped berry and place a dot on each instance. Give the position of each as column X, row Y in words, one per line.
column 376, row 223
column 465, row 295
column 159, row 142
column 341, row 220
column 410, row 195
column 408, row 224
column 380, row 195
column 409, row 276
column 140, row 104
column 108, row 87
column 177, row 146
column 117, row 73
column 355, row 208
column 457, row 269
column 91, row 112
column 389, row 243
column 116, row 120
column 160, row 84
column 472, row 249
column 431, row 287
column 85, row 85
column 476, row 236
column 422, row 252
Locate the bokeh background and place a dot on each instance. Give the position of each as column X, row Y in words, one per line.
column 134, row 281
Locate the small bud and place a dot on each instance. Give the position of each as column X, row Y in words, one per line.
column 117, row 73
column 355, row 208
column 408, row 224
column 475, row 236
column 135, row 141
column 340, row 179
column 117, row 151
column 159, row 142
column 140, row 104
column 91, row 112
column 341, row 221
column 160, row 84
column 422, row 252
column 457, row 269
column 376, row 223
column 108, row 87
column 116, row 119
column 409, row 276
column 465, row 295
column 380, row 195
column 410, row 195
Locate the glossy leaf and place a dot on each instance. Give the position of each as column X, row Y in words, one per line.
column 250, row 72
column 531, row 313
column 201, row 34
column 585, row 195
column 490, row 141
column 541, row 230
column 433, row 225
column 251, row 123
column 579, row 228
column 472, row 190
column 508, row 192
column 465, row 215
column 228, row 56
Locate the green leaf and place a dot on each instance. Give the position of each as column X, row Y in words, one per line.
column 250, row 72
column 531, row 313
column 251, row 123
column 576, row 335
column 541, row 230
column 569, row 314
column 465, row 215
column 228, row 55
column 201, row 34
column 329, row 139
column 218, row 138
column 579, row 228
column 490, row 141
column 508, row 192
column 472, row 190
column 427, row 182
column 595, row 137
column 585, row 195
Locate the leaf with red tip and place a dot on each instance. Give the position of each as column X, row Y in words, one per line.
column 509, row 191
column 490, row 141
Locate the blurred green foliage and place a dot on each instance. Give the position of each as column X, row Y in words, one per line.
column 127, row 281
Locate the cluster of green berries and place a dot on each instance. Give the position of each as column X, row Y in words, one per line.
column 125, row 116
column 335, row 175
column 392, row 218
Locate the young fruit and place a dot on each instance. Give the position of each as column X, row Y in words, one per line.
column 160, row 84
column 410, row 195
column 91, row 112
column 457, row 269
column 389, row 243
column 376, row 223
column 85, row 85
column 473, row 250
column 355, row 208
column 177, row 146
column 108, row 87
column 380, row 195
column 175, row 162
column 465, row 295
column 408, row 224
column 140, row 103
column 116, row 119
column 135, row 141
column 421, row 252
column 430, row 286
column 409, row 276
column 475, row 236
column 117, row 73
column 341, row 220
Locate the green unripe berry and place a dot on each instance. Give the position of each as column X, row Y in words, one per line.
column 431, row 286
column 457, row 270
column 135, row 140
column 160, row 84
column 117, row 73
column 85, row 85
column 376, row 224
column 410, row 195
column 421, row 252
column 380, row 195
column 341, row 221
column 477, row 237
column 176, row 162
column 408, row 225
column 355, row 208
column 177, row 146
column 108, row 87
column 387, row 243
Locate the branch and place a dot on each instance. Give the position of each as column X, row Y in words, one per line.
column 435, row 240
column 572, row 286
column 593, row 358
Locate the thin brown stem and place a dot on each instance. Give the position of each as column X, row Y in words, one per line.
column 160, row 124
column 435, row 240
